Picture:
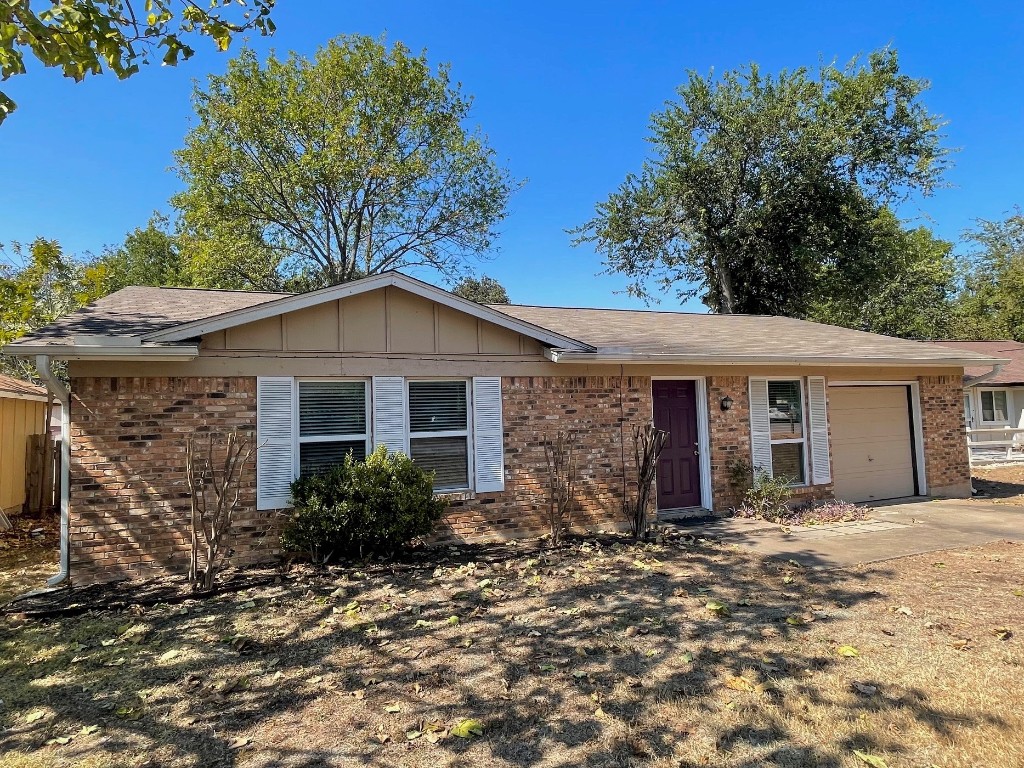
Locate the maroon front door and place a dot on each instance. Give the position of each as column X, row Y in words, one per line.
column 675, row 412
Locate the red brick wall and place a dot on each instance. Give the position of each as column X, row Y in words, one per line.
column 130, row 500
column 945, row 436
column 129, row 494
column 601, row 411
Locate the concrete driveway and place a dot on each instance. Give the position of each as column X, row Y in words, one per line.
column 895, row 529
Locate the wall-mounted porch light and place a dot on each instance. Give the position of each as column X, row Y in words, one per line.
column 726, row 403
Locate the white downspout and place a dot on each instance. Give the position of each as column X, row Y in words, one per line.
column 63, row 396
column 996, row 370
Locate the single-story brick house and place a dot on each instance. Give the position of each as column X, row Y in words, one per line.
column 472, row 391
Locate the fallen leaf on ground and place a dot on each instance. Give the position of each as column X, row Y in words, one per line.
column 718, row 608
column 468, row 728
column 848, row 651
column 873, row 760
column 239, row 742
column 739, row 684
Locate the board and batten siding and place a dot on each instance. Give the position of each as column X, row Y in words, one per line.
column 388, row 320
column 19, row 418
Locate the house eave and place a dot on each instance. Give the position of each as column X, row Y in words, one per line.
column 655, row 358
column 156, row 354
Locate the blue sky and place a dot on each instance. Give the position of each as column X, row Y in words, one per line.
column 564, row 91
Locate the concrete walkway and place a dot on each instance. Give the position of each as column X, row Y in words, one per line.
column 895, row 529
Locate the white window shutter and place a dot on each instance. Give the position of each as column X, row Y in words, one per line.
column 821, row 466
column 389, row 410
column 760, row 426
column 488, row 435
column 275, row 458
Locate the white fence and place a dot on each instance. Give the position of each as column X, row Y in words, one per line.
column 995, row 445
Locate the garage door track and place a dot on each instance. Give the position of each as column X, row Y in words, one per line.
column 895, row 529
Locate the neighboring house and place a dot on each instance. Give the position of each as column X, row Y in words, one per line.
column 993, row 401
column 22, row 413
column 471, row 392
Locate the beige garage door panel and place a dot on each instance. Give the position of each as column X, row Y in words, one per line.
column 871, row 444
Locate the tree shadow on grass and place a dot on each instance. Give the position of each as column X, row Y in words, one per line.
column 603, row 654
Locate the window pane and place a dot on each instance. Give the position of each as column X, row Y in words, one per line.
column 332, row 408
column 785, row 409
column 447, row 456
column 788, row 461
column 993, row 406
column 316, row 457
column 437, row 406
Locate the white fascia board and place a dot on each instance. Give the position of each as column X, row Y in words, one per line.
column 571, row 356
column 78, row 352
column 354, row 288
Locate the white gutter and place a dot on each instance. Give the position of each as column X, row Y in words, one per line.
column 568, row 356
column 996, row 370
column 156, row 354
column 63, row 396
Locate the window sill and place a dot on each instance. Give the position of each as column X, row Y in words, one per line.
column 463, row 495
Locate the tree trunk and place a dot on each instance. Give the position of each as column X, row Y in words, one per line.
column 728, row 303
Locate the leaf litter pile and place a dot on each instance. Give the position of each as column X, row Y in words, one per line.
column 606, row 653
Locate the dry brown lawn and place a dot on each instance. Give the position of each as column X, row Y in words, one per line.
column 1002, row 484
column 604, row 655
column 27, row 560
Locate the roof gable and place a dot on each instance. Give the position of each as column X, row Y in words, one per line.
column 295, row 302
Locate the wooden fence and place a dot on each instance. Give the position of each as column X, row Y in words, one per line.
column 995, row 445
column 42, row 474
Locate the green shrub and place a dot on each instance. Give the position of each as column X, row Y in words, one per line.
column 766, row 497
column 360, row 508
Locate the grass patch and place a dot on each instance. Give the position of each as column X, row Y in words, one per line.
column 686, row 653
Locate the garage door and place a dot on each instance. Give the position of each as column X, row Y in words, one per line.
column 872, row 454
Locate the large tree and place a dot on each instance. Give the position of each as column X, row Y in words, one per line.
column 349, row 164
column 38, row 284
column 760, row 184
column 149, row 255
column 82, row 37
column 485, row 290
column 903, row 284
column 991, row 302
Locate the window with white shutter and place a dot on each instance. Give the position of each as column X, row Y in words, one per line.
column 439, row 431
column 821, row 463
column 275, row 466
column 488, row 435
column 784, row 427
column 332, row 423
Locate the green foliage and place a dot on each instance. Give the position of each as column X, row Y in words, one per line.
column 82, row 37
column 762, row 186
column 360, row 508
column 991, row 303
column 486, row 290
column 903, row 284
column 767, row 497
column 148, row 256
column 320, row 171
column 38, row 284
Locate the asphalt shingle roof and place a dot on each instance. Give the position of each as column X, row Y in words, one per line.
column 1012, row 373
column 722, row 335
column 137, row 311
column 15, row 386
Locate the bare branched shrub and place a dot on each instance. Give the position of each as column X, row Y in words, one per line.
column 561, row 456
column 214, row 467
column 648, row 443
